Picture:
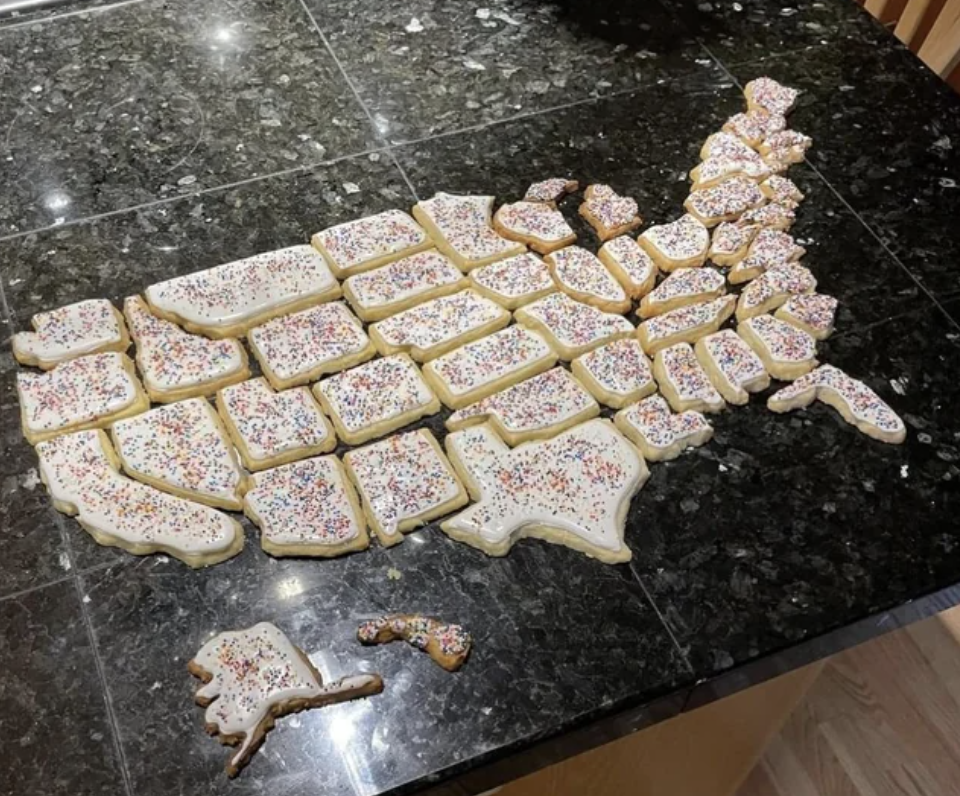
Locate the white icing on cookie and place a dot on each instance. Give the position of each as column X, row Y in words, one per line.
column 730, row 238
column 579, row 272
column 516, row 280
column 683, row 380
column 786, row 351
column 717, row 169
column 766, row 93
column 355, row 244
column 552, row 190
column 755, row 125
column 657, row 332
column 463, row 224
column 572, row 324
column 67, row 332
column 786, row 147
column 608, row 211
column 661, row 434
column 630, row 264
column 771, row 248
column 683, row 286
column 402, row 280
column 727, row 200
column 773, row 288
column 812, row 312
column 772, row 216
column 682, row 240
column 619, row 368
column 727, row 145
column 782, row 191
column 732, row 365
column 542, row 226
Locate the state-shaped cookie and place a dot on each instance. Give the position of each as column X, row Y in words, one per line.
column 515, row 281
column 725, row 145
column 684, row 382
column 658, row 433
column 812, row 312
column 536, row 224
column 683, row 287
column 726, row 201
column 733, row 367
column 404, row 481
column 772, row 288
column 770, row 248
column 228, row 300
column 357, row 246
column 448, row 645
column 775, row 215
column 609, row 213
column 680, row 244
column 755, row 125
column 716, row 169
column 550, row 191
column 786, row 351
column 685, row 325
column 82, row 474
column 785, row 148
column 574, row 489
column 87, row 327
column 730, row 242
column 616, row 374
column 582, row 276
column 782, row 190
column 771, row 96
column 571, row 327
column 630, row 264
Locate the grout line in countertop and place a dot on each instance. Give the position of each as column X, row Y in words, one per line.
column 663, row 621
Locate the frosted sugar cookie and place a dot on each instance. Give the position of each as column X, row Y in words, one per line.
column 272, row 428
column 771, row 216
column 536, row 408
column 771, row 289
column 660, row 434
column 176, row 364
column 87, row 392
column 306, row 508
column 82, row 473
column 683, row 382
column 726, row 145
column 685, row 325
column 228, row 300
column 182, row 448
column 485, row 366
column 572, row 328
column 392, row 288
column 299, row 348
column 405, row 481
column 551, row 191
column 609, row 213
column 582, row 276
column 357, row 246
column 854, row 400
column 787, row 352
column 448, row 645
column 683, row 287
column 755, row 125
column 540, row 226
column 786, row 147
column 616, row 374
column 771, row 96
column 771, row 248
column 724, row 202
column 680, row 244
column 782, row 190
column 435, row 327
column 252, row 677
column 87, row 327
column 460, row 226
column 812, row 312
column 715, row 170
column 630, row 264
column 730, row 242
column 733, row 367
column 574, row 490
column 513, row 282
column 375, row 398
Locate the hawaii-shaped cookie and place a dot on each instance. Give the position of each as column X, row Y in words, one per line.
column 660, row 434
column 448, row 645
column 812, row 312
column 515, row 281
column 571, row 327
column 550, row 191
column 685, row 325
column 573, row 489
column 366, row 243
column 733, row 367
column 582, row 276
column 770, row 248
column 252, row 677
column 681, row 288
column 540, row 226
column 680, row 244
column 726, row 201
column 87, row 327
column 772, row 288
column 786, row 351
column 630, row 264
column 616, row 374
column 684, row 382
column 609, row 213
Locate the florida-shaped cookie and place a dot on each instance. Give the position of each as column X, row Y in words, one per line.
column 584, row 277
column 774, row 215
column 540, row 226
column 616, row 374
column 787, row 352
column 571, row 327
column 87, row 327
column 515, row 281
column 550, row 191
column 771, row 96
column 365, row 243
column 660, row 434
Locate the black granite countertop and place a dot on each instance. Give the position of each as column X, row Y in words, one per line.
column 152, row 138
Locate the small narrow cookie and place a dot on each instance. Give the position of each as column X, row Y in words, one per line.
column 771, row 289
column 438, row 326
column 774, row 215
column 855, row 401
column 357, row 246
column 448, row 645
column 550, row 191
column 176, row 364
column 660, row 434
column 680, row 244
column 685, row 325
column 515, row 281
column 92, row 391
column 609, row 213
column 82, row 473
column 755, row 125
column 616, row 374
column 812, row 312
column 404, row 481
column 252, row 677
column 539, row 407
column 582, row 276
column 228, row 300
column 630, row 264
column 375, row 398
column 715, row 170
column 300, row 348
column 461, row 228
column 770, row 249
column 730, row 242
column 485, row 366
column 573, row 489
column 683, row 382
column 536, row 224
column 726, row 145
column 786, row 147
column 771, row 96
column 573, row 328
column 782, row 190
column 683, row 287
column 733, row 367
column 787, row 352
column 87, row 327
column 272, row 428
column 724, row 202
column 395, row 287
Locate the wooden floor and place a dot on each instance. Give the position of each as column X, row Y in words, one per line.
column 882, row 720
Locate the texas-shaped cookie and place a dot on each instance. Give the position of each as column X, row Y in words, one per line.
column 87, row 327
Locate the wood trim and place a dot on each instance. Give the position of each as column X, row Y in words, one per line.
column 941, row 49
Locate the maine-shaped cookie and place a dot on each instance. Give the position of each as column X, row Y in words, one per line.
column 786, row 351
column 571, row 327
column 684, row 382
column 515, row 281
column 550, row 191
column 733, row 367
column 730, row 242
column 812, row 312
column 660, row 434
column 582, row 276
column 726, row 201
column 357, row 246
column 771, row 248
column 87, row 327
column 536, row 224
column 616, row 374
column 684, row 325
column 680, row 244
column 683, row 287
column 772, row 288
column 771, row 96
column 609, row 213
column 630, row 264
column 448, row 645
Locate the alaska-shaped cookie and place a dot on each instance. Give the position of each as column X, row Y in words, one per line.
column 582, row 276
column 87, row 327
column 755, row 125
column 772, row 288
column 733, row 367
column 571, row 327
column 536, row 224
column 786, row 351
column 730, row 242
column 683, row 382
column 616, row 374
column 357, row 246
column 448, row 645
column 685, row 325
column 550, row 191
column 680, row 244
column 630, row 264
column 609, row 213
column 515, row 281
column 771, row 248
column 771, row 96
column 724, row 202
column 573, row 489
column 681, row 288
column 812, row 312
column 660, row 434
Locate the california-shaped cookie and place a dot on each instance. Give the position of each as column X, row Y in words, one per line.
column 685, row 325
column 82, row 473
column 755, row 125
column 536, row 224
column 854, row 400
column 774, row 215
column 405, row 481
column 571, row 327
column 252, row 677
column 771, row 248
column 513, row 282
column 573, row 489
column 630, row 264
column 726, row 201
column 609, row 213
column 782, row 190
column 812, row 312
column 582, row 276
column 616, row 374
column 683, row 287
column 733, row 367
column 357, row 246
column 550, row 191
column 660, row 434
column 771, row 96
column 680, row 244
column 786, row 351
column 684, row 382
column 730, row 242
column 87, row 327
column 772, row 288
column 448, row 645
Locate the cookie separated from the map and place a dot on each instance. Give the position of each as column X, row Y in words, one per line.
column 684, row 382
column 536, row 224
column 91, row 391
column 812, row 312
column 855, row 401
column 681, row 288
column 685, row 325
column 571, row 327
column 551, row 191
column 253, row 677
column 515, row 281
column 404, row 481
column 615, row 374
column 584, row 277
column 733, row 367
column 683, row 243
column 87, row 327
column 755, row 125
column 771, row 248
column 365, row 243
column 448, row 645
column 658, row 433
column 769, row 95
column 461, row 228
column 230, row 299
column 82, row 473
column 724, row 202
column 574, row 489
column 272, row 428
column 786, row 351
column 630, row 264
column 772, row 288
column 730, row 242
column 175, row 364
column 782, row 190
column 609, row 213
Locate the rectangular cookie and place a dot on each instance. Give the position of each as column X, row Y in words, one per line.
column 87, row 327
column 684, row 325
column 616, row 374
column 365, row 243
column 515, row 281
column 683, row 382
column 571, row 327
